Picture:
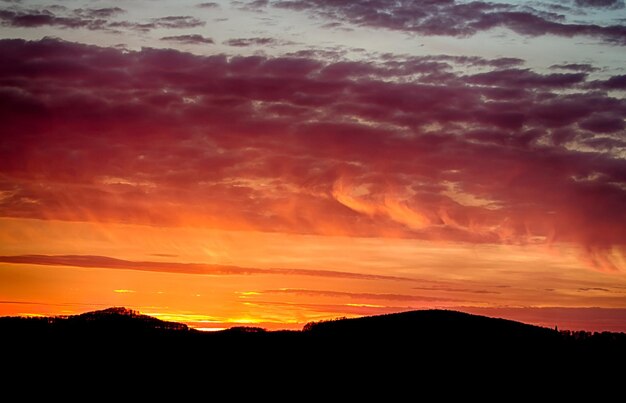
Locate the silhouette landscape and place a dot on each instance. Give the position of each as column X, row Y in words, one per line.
column 415, row 336
column 334, row 187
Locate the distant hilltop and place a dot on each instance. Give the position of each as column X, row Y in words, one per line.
column 124, row 314
column 415, row 336
column 420, row 323
column 107, row 320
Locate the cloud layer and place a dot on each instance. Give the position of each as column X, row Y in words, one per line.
column 101, row 19
column 436, row 147
column 105, row 262
column 459, row 19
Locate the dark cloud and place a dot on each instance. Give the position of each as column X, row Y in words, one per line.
column 615, row 83
column 104, row 262
column 584, row 68
column 208, row 5
column 300, row 145
column 188, row 39
column 610, row 4
column 526, row 79
column 599, row 123
column 594, row 289
column 451, row 18
column 243, row 42
column 99, row 12
column 177, row 22
column 256, row 3
column 88, row 18
column 33, row 19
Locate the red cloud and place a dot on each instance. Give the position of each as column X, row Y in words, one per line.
column 301, row 145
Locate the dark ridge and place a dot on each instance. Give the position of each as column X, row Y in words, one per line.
column 107, row 322
column 431, row 324
column 120, row 317
column 429, row 337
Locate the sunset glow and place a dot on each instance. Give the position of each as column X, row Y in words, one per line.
column 272, row 163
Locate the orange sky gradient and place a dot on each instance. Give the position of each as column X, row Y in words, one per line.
column 368, row 276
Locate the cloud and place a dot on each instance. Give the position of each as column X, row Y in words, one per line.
column 32, row 19
column 594, row 289
column 177, row 22
column 453, row 289
column 610, row 4
column 598, row 123
column 411, row 147
column 88, row 18
column 252, row 4
column 584, row 68
column 99, row 12
column 527, row 79
column 104, row 262
column 208, row 5
column 188, row 39
column 360, row 296
column 615, row 83
column 335, row 310
column 243, row 42
column 458, row 19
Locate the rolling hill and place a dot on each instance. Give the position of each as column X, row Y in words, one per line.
column 418, row 336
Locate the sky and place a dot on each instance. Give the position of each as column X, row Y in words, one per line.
column 271, row 163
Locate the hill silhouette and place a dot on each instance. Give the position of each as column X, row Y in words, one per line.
column 430, row 337
column 104, row 323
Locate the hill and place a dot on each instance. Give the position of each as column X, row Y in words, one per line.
column 107, row 322
column 432, row 336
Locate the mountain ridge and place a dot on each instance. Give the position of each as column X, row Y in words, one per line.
column 413, row 335
column 407, row 319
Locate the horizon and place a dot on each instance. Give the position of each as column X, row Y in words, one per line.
column 272, row 163
column 544, row 323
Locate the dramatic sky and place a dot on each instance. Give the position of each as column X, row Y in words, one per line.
column 271, row 163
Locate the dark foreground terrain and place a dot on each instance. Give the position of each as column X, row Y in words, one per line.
column 417, row 335
column 433, row 342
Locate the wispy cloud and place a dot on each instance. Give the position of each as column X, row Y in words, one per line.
column 104, row 262
column 192, row 39
column 209, row 4
column 457, row 289
column 244, row 42
column 358, row 295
